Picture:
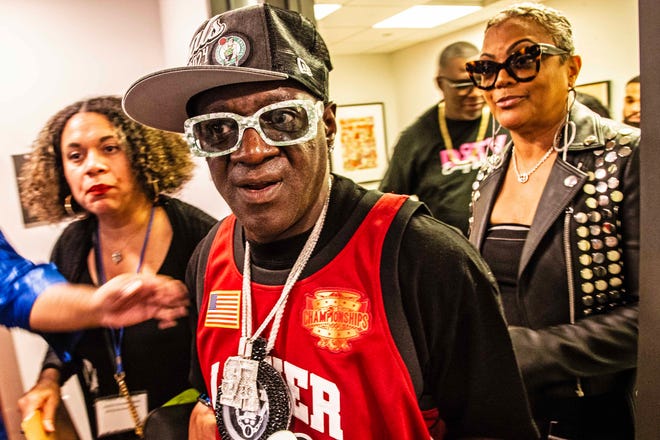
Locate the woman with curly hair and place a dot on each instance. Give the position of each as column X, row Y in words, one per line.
column 92, row 162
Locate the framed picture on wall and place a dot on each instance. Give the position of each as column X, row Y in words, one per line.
column 28, row 219
column 600, row 90
column 360, row 151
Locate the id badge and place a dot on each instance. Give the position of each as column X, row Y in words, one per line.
column 113, row 415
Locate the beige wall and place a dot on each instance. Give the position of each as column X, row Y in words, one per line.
column 58, row 52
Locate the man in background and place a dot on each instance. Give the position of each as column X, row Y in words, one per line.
column 632, row 110
column 437, row 157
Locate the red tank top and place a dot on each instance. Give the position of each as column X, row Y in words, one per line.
column 334, row 347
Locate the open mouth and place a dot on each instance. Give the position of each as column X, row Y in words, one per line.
column 258, row 185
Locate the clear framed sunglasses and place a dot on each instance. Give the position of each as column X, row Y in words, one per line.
column 463, row 87
column 523, row 65
column 279, row 124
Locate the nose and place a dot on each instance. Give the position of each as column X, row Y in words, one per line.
column 504, row 78
column 94, row 163
column 253, row 149
column 475, row 93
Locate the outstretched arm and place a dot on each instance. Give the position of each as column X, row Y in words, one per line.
column 125, row 300
column 36, row 296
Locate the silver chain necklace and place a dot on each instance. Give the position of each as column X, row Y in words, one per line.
column 239, row 389
column 278, row 310
column 524, row 177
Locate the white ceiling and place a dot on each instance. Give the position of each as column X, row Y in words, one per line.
column 348, row 30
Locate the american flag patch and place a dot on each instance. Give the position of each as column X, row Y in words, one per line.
column 223, row 310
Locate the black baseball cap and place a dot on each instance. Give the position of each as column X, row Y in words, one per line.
column 249, row 44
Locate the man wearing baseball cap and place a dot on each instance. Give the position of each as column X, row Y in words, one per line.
column 324, row 310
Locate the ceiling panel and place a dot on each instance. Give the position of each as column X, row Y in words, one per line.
column 349, row 31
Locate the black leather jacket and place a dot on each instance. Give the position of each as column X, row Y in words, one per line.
column 578, row 272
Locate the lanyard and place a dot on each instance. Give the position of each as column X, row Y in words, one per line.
column 118, row 335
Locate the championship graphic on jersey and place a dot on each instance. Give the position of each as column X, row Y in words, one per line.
column 336, row 317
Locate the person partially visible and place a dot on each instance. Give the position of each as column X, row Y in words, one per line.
column 632, row 105
column 92, row 162
column 437, row 157
column 324, row 309
column 593, row 103
column 37, row 297
column 556, row 217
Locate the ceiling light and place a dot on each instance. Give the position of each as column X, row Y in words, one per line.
column 426, row 16
column 324, row 9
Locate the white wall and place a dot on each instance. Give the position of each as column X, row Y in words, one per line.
column 362, row 79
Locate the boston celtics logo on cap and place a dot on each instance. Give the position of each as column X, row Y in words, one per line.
column 303, row 67
column 231, row 50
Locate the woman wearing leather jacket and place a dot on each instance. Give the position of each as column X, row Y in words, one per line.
column 556, row 216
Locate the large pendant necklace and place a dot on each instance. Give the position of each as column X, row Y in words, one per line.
column 253, row 400
column 524, row 177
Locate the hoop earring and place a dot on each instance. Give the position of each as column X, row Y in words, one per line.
column 495, row 158
column 68, row 207
column 156, row 189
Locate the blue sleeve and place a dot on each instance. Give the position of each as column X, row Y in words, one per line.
column 21, row 281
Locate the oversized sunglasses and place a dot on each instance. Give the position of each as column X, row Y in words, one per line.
column 523, row 65
column 279, row 124
column 462, row 87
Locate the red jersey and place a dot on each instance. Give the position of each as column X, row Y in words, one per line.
column 334, row 348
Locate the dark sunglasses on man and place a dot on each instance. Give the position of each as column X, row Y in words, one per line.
column 462, row 87
column 523, row 65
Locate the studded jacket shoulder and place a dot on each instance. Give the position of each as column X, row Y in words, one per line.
column 578, row 274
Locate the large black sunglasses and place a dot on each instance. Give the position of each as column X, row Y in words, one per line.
column 523, row 65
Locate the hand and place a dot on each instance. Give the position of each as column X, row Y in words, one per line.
column 129, row 299
column 202, row 423
column 44, row 396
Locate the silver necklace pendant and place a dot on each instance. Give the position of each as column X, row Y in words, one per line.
column 239, row 384
column 116, row 257
column 252, row 411
column 524, row 177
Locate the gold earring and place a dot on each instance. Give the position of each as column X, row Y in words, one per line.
column 156, row 189
column 68, row 207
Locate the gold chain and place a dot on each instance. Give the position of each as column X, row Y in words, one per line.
column 444, row 130
column 123, row 390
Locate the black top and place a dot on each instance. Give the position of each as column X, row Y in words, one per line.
column 502, row 248
column 441, row 305
column 154, row 360
column 420, row 165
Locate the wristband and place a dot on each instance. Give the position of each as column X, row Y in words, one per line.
column 205, row 399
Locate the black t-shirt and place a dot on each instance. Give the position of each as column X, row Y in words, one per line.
column 422, row 165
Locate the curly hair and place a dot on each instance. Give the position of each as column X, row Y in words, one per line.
column 160, row 160
column 551, row 20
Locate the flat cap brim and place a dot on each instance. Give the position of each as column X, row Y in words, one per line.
column 159, row 99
